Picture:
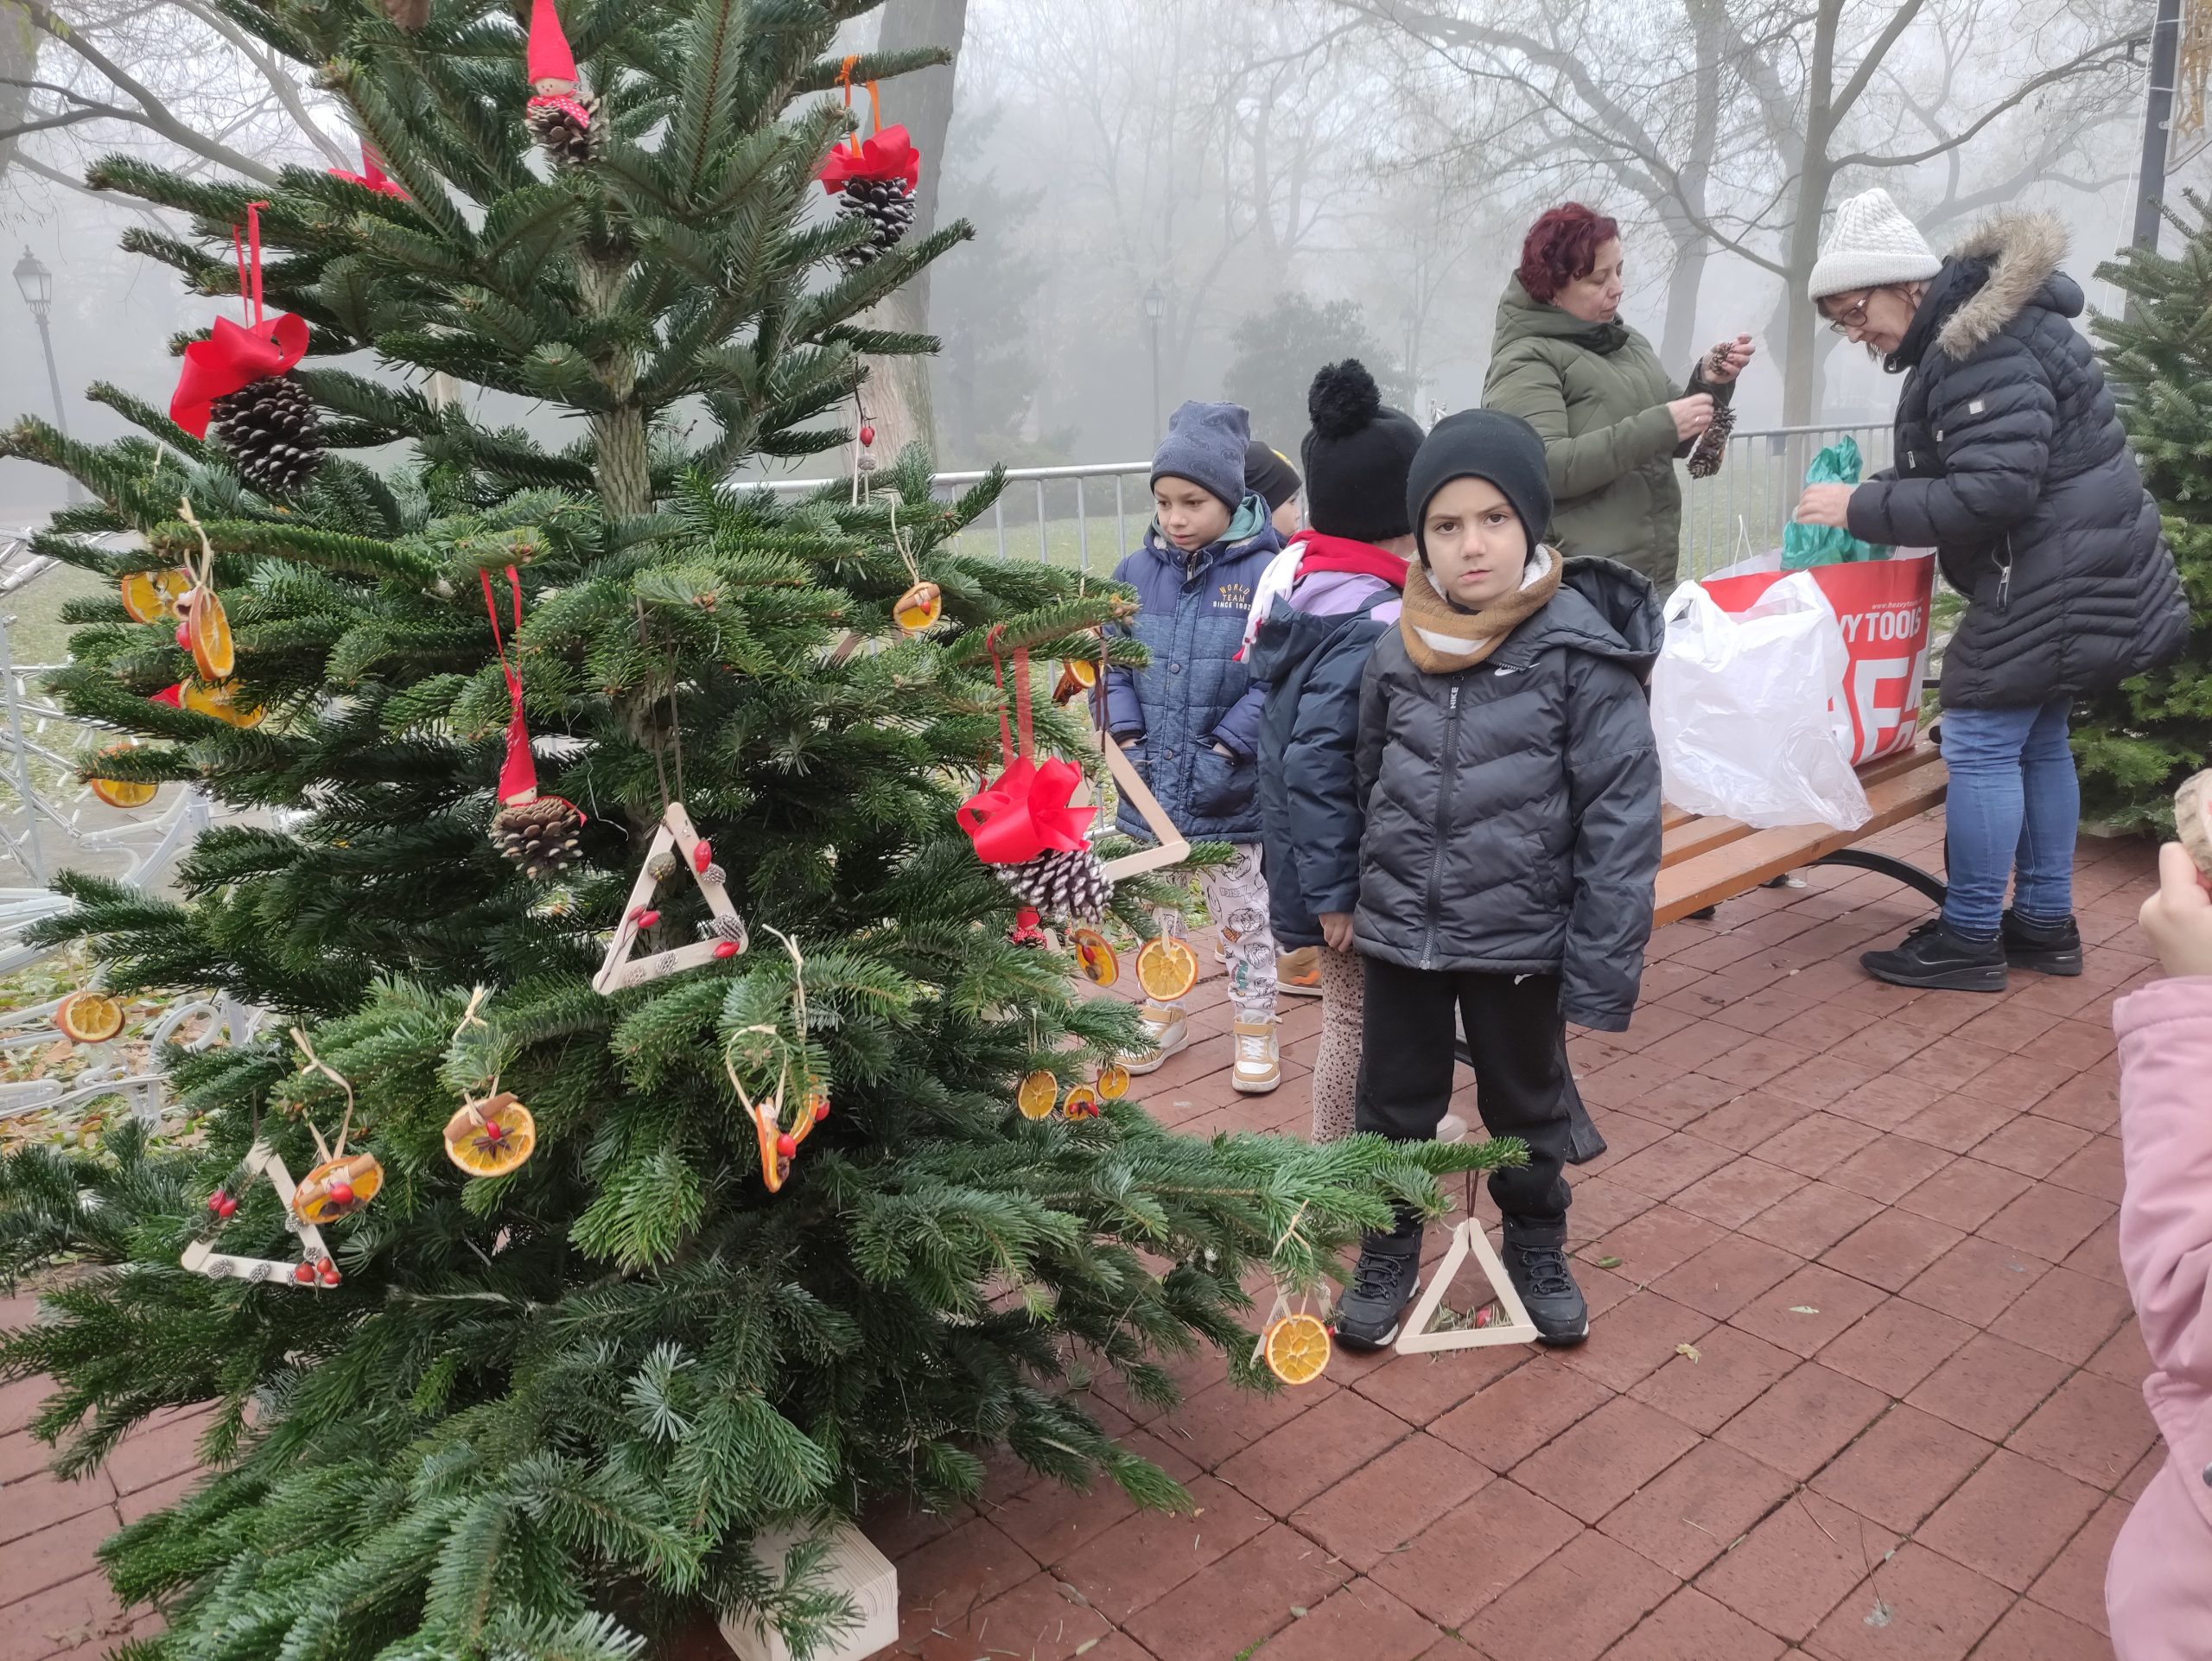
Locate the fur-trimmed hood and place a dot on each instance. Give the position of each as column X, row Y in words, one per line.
column 2020, row 252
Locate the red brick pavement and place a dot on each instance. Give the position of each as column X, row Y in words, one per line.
column 1883, row 1221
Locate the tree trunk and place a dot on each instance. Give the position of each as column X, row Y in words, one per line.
column 19, row 44
column 1677, row 341
column 898, row 392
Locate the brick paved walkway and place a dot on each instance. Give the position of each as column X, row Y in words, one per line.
column 1884, row 1222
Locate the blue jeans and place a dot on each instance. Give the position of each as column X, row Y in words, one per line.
column 2014, row 806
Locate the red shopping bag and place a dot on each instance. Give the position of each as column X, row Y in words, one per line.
column 1881, row 605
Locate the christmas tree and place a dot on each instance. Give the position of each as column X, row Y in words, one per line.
column 591, row 1287
column 2136, row 742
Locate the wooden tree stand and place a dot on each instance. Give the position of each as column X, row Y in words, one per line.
column 1413, row 1336
column 852, row 1566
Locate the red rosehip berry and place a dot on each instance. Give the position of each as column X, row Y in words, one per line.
column 787, row 1144
column 304, row 1274
column 341, row 1193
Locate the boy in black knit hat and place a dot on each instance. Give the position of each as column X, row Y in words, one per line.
column 1321, row 607
column 1509, row 789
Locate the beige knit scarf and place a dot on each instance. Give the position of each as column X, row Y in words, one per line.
column 1443, row 639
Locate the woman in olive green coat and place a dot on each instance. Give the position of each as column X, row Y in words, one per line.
column 1611, row 421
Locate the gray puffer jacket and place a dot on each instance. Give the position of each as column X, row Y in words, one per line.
column 1512, row 809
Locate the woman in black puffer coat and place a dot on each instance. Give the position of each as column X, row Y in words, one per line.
column 2011, row 463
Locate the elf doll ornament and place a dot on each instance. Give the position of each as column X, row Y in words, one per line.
column 539, row 833
column 563, row 121
column 240, row 378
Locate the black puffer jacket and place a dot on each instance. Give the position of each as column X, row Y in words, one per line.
column 1512, row 809
column 2011, row 463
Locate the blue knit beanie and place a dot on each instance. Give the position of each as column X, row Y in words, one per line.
column 1206, row 443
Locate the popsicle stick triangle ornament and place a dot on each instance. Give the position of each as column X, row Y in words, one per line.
column 315, row 1266
column 674, row 845
column 1468, row 1239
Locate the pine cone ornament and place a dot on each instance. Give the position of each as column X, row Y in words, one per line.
column 661, row 867
column 1712, row 448
column 1071, row 884
column 565, row 125
column 887, row 206
column 542, row 837
column 270, row 430
column 726, row 928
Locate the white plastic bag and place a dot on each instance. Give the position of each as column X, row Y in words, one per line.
column 1743, row 706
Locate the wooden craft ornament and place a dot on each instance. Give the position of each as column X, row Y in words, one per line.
column 1415, row 1339
column 314, row 1267
column 2193, row 820
column 727, row 936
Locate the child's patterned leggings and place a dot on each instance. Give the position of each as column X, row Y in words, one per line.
column 1236, row 895
column 1336, row 1068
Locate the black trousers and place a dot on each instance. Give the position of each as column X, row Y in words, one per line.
column 1513, row 1036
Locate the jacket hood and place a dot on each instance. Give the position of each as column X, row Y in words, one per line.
column 1602, row 607
column 1522, row 316
column 1290, row 636
column 1247, row 526
column 2019, row 253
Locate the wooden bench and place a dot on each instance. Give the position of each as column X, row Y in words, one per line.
column 1703, row 862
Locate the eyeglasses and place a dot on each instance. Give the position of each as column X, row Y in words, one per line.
column 1856, row 317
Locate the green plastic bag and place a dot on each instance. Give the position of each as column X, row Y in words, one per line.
column 1827, row 544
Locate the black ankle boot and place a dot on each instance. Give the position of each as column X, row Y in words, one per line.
column 2047, row 948
column 1535, row 1262
column 1382, row 1283
column 1933, row 956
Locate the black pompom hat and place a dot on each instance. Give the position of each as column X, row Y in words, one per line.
column 1356, row 457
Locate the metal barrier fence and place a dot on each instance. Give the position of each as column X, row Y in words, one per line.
column 1089, row 517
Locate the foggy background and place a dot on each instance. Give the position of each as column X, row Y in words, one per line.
column 1294, row 181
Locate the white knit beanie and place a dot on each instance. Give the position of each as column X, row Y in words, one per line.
column 1871, row 246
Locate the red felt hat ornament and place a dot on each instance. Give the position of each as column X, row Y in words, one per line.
column 1025, row 812
column 890, row 154
column 234, row 356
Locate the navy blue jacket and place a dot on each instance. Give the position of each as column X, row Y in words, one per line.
column 1309, row 735
column 1194, row 694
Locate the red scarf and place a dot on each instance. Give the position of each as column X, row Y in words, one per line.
column 1327, row 553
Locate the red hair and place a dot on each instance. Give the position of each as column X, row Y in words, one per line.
column 1561, row 247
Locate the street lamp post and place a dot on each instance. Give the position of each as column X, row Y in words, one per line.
column 1155, row 303
column 37, row 285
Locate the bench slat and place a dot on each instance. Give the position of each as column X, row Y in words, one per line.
column 1897, row 788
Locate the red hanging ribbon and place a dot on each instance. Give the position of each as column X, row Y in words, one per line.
column 371, row 177
column 1024, row 811
column 518, row 773
column 235, row 356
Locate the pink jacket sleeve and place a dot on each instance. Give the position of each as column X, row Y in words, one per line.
column 2166, row 1214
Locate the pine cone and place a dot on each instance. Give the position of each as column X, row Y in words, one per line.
column 661, row 867
column 542, row 837
column 1073, row 885
column 553, row 122
column 887, row 207
column 1712, row 444
column 725, row 928
column 270, row 430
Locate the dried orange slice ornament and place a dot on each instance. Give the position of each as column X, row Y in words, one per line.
column 337, row 1188
column 1166, row 969
column 1082, row 1104
column 918, row 608
column 493, row 1136
column 1077, row 675
column 1297, row 1348
column 89, row 1017
column 2193, row 819
column 1113, row 1081
column 221, row 702
column 121, row 793
column 149, row 597
column 1094, row 954
column 1036, row 1093
column 208, row 637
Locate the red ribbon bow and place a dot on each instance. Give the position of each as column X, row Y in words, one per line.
column 236, row 355
column 371, row 177
column 890, row 155
column 518, row 773
column 1024, row 811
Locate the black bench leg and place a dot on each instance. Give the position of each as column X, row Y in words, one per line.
column 1887, row 865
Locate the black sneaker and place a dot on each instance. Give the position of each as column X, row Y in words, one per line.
column 1384, row 1283
column 2047, row 948
column 1932, row 956
column 1536, row 1265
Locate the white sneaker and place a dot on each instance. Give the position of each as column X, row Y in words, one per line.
column 1259, row 1062
column 1168, row 1031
